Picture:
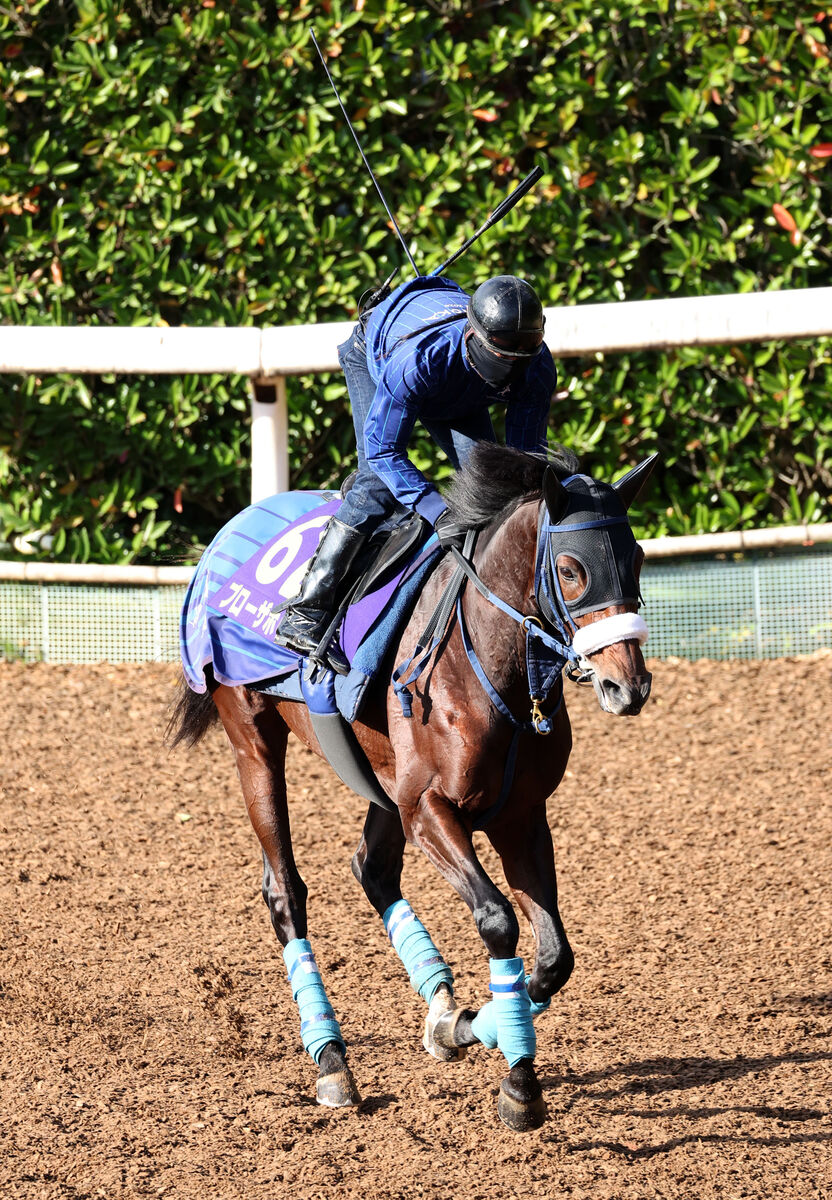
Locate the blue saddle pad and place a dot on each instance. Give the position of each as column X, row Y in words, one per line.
column 256, row 562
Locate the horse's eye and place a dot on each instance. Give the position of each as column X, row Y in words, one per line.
column 567, row 573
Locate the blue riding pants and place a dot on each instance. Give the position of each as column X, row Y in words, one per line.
column 369, row 500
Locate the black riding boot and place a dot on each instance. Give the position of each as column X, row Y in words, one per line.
column 305, row 622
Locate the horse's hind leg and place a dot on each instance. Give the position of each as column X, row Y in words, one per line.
column 258, row 735
column 377, row 865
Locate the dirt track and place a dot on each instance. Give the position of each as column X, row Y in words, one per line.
column 149, row 1041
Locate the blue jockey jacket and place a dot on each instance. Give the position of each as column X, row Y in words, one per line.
column 429, row 377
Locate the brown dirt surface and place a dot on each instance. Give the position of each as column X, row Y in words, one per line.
column 150, row 1046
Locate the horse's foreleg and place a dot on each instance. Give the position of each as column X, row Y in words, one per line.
column 525, row 847
column 528, row 858
column 377, row 865
column 437, row 827
column 258, row 736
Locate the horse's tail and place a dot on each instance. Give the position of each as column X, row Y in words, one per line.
column 193, row 713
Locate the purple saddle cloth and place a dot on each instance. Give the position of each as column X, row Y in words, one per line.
column 256, row 562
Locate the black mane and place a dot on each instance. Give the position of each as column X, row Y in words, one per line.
column 496, row 477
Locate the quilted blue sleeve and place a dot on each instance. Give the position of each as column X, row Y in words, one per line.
column 411, row 375
column 527, row 415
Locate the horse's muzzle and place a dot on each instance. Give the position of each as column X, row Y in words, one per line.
column 623, row 698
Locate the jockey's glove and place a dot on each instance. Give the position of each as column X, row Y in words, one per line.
column 450, row 531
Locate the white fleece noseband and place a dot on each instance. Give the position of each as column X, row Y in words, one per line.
column 618, row 628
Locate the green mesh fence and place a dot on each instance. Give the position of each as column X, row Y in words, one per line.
column 770, row 605
column 87, row 623
column 767, row 605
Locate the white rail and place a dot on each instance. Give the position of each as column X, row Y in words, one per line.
column 269, row 355
column 304, row 349
column 47, row 572
column 777, row 537
column 664, row 547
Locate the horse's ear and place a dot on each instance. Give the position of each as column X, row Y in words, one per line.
column 555, row 495
column 629, row 486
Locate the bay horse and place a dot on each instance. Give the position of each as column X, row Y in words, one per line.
column 553, row 578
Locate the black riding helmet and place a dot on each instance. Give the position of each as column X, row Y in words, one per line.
column 505, row 327
column 506, row 315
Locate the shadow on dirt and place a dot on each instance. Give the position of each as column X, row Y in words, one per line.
column 654, row 1075
column 659, row 1075
column 635, row 1153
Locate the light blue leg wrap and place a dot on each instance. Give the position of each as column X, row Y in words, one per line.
column 484, row 1023
column 506, row 1021
column 317, row 1020
column 412, row 942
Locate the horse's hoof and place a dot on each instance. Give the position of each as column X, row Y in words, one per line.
column 520, row 1105
column 520, row 1115
column 338, row 1090
column 442, row 1006
column 443, row 1053
column 452, row 1031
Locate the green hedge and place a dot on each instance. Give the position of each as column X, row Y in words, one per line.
column 188, row 164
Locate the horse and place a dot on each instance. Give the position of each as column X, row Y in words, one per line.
column 549, row 577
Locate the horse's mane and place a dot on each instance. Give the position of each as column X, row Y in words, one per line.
column 496, row 478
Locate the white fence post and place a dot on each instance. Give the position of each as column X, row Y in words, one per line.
column 269, row 438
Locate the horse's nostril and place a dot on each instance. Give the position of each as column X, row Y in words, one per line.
column 627, row 698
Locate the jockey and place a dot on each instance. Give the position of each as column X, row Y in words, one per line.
column 432, row 353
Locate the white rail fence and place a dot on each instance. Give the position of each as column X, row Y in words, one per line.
column 781, row 537
column 711, row 608
column 268, row 356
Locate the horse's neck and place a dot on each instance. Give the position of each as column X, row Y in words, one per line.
column 505, row 564
column 506, row 561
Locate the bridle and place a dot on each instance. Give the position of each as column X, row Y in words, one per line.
column 619, row 627
column 549, row 651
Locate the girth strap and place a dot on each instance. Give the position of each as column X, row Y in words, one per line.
column 336, row 736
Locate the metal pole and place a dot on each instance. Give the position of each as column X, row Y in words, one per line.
column 758, row 606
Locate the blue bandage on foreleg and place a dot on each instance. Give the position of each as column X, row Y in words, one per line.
column 413, row 944
column 506, row 1021
column 317, row 1020
column 484, row 1024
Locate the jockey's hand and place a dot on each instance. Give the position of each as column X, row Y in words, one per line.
column 449, row 531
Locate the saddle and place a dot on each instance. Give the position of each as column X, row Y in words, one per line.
column 388, row 550
column 392, row 544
